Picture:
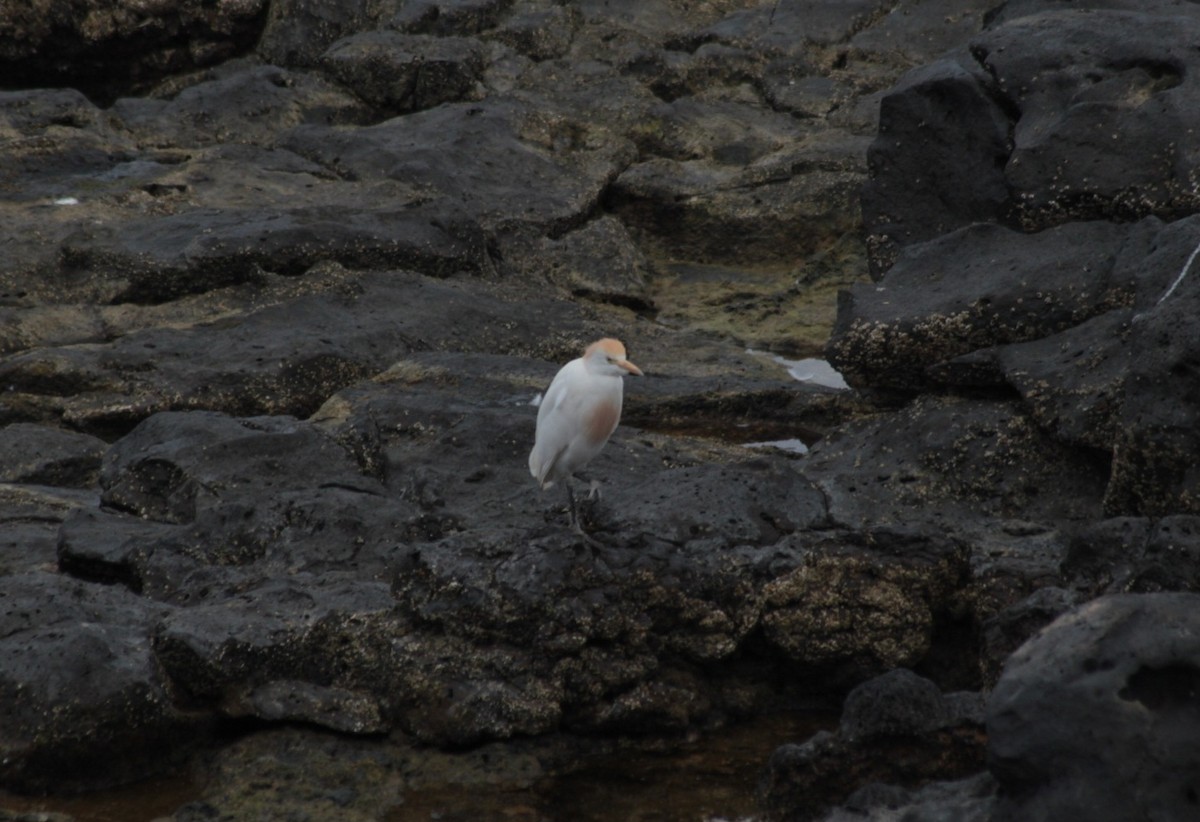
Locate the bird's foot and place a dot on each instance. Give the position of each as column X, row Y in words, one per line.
column 593, row 490
column 598, row 565
column 584, row 535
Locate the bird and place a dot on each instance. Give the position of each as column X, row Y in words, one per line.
column 577, row 415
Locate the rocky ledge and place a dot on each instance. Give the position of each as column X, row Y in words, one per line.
column 282, row 280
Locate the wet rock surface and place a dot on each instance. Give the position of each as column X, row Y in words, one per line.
column 895, row 728
column 282, row 282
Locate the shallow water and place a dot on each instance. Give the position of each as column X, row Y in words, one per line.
column 142, row 802
column 710, row 780
column 811, row 369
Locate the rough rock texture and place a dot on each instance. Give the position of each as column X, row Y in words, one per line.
column 281, row 282
column 41, row 455
column 896, row 729
column 968, row 800
column 1125, row 668
column 399, row 72
column 1030, row 120
column 84, row 701
column 982, row 287
column 104, row 47
column 1031, row 316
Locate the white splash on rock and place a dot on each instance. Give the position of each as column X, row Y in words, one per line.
column 794, row 445
column 65, row 201
column 1186, row 268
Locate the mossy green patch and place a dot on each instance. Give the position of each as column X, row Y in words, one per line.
column 786, row 309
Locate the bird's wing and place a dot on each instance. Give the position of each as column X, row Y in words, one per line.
column 559, row 395
column 553, row 425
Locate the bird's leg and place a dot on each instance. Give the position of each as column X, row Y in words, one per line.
column 572, row 512
column 576, row 523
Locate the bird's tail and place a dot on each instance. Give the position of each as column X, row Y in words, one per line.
column 540, row 467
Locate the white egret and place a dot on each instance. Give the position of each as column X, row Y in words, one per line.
column 577, row 415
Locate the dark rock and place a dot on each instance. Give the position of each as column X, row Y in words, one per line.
column 83, row 702
column 106, row 49
column 56, row 140
column 28, row 111
column 795, row 87
column 951, row 460
column 726, row 133
column 1011, row 133
column 598, row 260
column 221, row 217
column 239, row 103
column 539, row 33
column 1129, row 82
column 1125, row 669
column 585, row 88
column 898, row 703
column 790, row 25
column 1100, row 365
column 754, row 503
column 314, row 345
column 1016, row 585
column 34, row 816
column 1016, row 9
column 956, row 177
column 37, row 455
column 874, row 795
column 611, row 643
column 400, row 73
column 425, row 398
column 203, row 249
column 448, row 17
column 1135, row 554
column 724, row 212
column 522, row 168
column 1007, row 630
column 297, row 32
column 896, row 729
column 175, row 464
column 768, row 309
column 1171, row 561
column 107, row 547
column 1101, row 555
column 632, row 24
column 242, row 534
column 923, row 32
column 274, row 652
column 968, row 800
column 1153, row 470
column 303, row 350
column 768, row 410
column 864, row 605
column 673, row 75
column 977, row 287
column 32, row 515
column 264, row 495
column 1073, row 382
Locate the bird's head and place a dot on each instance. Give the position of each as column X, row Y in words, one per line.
column 607, row 356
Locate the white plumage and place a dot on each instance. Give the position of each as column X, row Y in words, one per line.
column 578, row 414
